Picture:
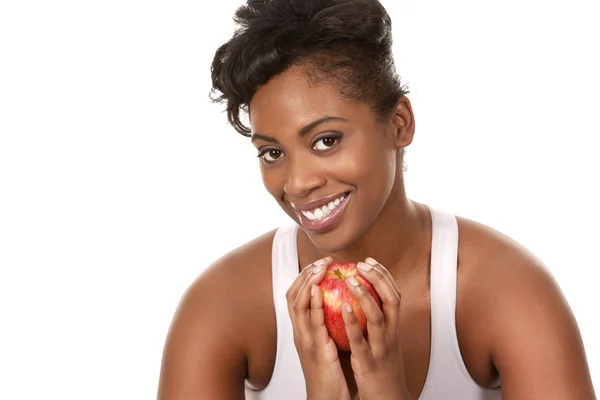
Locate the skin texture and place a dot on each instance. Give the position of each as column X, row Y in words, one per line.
column 512, row 320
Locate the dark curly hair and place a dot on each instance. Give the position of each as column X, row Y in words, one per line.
column 344, row 42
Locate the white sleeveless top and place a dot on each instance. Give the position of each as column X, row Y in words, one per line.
column 447, row 377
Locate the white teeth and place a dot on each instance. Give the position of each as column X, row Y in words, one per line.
column 323, row 211
column 318, row 213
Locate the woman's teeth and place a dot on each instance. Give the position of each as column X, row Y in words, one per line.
column 322, row 212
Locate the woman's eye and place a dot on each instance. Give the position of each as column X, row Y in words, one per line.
column 271, row 155
column 325, row 143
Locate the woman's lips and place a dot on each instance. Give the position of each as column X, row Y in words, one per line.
column 323, row 219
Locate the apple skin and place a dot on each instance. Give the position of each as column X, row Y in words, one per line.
column 336, row 292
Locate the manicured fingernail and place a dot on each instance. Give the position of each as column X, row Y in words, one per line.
column 313, row 290
column 347, row 307
column 319, row 264
column 364, row 267
column 353, row 281
column 369, row 260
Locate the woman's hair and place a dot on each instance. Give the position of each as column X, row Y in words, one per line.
column 344, row 42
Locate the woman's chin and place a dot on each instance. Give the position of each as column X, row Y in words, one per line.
column 333, row 241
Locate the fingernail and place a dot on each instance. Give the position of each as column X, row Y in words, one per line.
column 319, row 265
column 352, row 280
column 313, row 290
column 364, row 267
column 347, row 307
column 369, row 260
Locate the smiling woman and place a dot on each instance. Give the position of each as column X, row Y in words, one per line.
column 320, row 142
column 462, row 305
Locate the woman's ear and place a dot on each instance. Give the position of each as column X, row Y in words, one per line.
column 403, row 123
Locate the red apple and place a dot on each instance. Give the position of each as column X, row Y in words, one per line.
column 336, row 292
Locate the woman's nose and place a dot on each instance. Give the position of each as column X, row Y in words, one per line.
column 302, row 179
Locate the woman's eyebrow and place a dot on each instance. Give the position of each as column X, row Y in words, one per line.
column 303, row 131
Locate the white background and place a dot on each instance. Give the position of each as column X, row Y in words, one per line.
column 120, row 182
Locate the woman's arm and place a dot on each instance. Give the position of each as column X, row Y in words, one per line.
column 534, row 340
column 537, row 347
column 203, row 356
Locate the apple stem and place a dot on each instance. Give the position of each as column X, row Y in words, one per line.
column 338, row 273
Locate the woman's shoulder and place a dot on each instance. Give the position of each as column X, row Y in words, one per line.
column 231, row 289
column 218, row 320
column 243, row 259
column 487, row 252
column 509, row 297
column 238, row 274
column 494, row 266
column 227, row 299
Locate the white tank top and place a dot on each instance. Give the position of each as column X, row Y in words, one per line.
column 447, row 377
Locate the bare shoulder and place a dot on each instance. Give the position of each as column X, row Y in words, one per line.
column 231, row 283
column 498, row 269
column 236, row 269
column 208, row 341
column 510, row 305
column 488, row 255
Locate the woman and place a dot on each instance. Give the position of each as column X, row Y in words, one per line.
column 475, row 318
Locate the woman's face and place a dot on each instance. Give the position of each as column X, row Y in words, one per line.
column 329, row 163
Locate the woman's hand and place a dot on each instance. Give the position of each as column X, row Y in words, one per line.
column 376, row 360
column 317, row 352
